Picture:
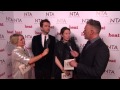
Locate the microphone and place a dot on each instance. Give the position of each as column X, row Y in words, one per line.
column 69, row 44
column 47, row 43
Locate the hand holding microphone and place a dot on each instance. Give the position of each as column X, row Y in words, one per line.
column 69, row 45
column 46, row 51
column 73, row 52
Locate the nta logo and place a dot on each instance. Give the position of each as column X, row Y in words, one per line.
column 113, row 47
column 37, row 20
column 83, row 21
column 101, row 13
column 13, row 20
column 28, row 36
column 115, row 20
column 74, row 14
column 49, row 14
column 27, row 14
column 61, row 21
column 1, row 36
column 2, row 61
column 110, row 71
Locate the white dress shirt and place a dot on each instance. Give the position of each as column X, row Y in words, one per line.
column 43, row 37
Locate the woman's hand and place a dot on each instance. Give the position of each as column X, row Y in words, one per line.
column 45, row 52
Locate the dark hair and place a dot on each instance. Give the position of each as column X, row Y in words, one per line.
column 95, row 23
column 63, row 30
column 42, row 21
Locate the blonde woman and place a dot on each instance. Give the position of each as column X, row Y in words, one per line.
column 21, row 57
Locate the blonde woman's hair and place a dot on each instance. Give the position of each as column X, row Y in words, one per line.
column 14, row 38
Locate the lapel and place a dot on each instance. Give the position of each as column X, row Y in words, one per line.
column 91, row 47
column 49, row 38
column 40, row 38
column 40, row 41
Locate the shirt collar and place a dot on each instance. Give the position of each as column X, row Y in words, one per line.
column 44, row 35
column 95, row 39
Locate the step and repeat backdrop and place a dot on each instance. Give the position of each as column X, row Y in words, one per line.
column 27, row 23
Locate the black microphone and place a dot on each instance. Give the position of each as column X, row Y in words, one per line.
column 47, row 43
column 46, row 46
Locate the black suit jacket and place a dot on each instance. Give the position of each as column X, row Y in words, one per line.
column 46, row 62
column 93, row 61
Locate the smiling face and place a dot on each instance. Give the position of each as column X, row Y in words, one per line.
column 21, row 41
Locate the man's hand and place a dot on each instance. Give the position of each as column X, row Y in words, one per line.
column 74, row 53
column 73, row 63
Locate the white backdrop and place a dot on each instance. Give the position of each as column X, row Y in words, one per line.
column 27, row 23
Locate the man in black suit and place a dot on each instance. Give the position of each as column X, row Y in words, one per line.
column 43, row 68
column 95, row 54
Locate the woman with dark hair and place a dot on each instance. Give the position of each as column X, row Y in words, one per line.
column 65, row 49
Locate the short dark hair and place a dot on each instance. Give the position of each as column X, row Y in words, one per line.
column 44, row 20
column 95, row 23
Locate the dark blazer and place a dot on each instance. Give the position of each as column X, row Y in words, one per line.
column 93, row 61
column 46, row 63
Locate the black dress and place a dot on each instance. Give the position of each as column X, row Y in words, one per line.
column 62, row 51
